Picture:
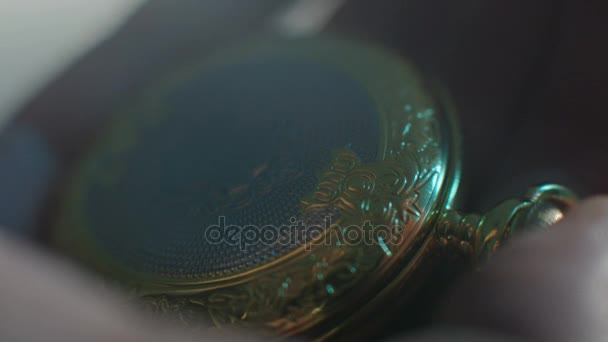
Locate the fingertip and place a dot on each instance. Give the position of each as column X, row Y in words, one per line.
column 585, row 215
column 595, row 204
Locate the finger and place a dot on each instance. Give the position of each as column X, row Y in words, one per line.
column 546, row 287
column 44, row 299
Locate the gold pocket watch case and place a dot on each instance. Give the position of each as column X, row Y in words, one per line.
column 288, row 186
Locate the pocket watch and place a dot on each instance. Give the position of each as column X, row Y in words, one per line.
column 292, row 187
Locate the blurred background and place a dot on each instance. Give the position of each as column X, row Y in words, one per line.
column 39, row 39
column 528, row 79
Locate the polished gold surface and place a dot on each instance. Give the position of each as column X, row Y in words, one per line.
column 402, row 200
